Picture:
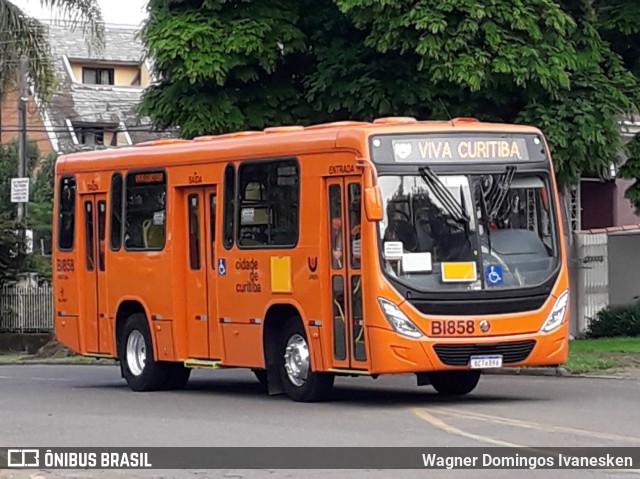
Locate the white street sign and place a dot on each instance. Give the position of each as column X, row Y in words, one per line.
column 19, row 190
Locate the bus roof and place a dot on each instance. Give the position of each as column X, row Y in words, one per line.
column 271, row 142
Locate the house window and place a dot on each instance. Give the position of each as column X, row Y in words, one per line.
column 97, row 76
column 90, row 136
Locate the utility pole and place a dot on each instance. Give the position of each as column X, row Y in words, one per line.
column 22, row 154
column 22, row 135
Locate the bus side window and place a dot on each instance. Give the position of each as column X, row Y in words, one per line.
column 335, row 216
column 66, row 213
column 116, row 211
column 212, row 226
column 268, row 210
column 145, row 211
column 354, row 223
column 229, row 205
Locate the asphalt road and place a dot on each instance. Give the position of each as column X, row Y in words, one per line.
column 72, row 406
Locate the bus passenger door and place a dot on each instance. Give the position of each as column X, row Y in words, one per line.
column 344, row 210
column 95, row 320
column 202, row 332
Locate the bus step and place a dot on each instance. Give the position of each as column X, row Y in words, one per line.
column 201, row 363
column 349, row 372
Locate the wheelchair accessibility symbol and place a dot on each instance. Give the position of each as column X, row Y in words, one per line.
column 222, row 266
column 493, row 274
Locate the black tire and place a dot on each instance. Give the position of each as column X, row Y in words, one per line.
column 454, row 383
column 261, row 376
column 316, row 386
column 148, row 377
column 177, row 376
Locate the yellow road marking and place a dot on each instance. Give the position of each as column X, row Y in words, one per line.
column 443, row 426
column 535, row 425
column 440, row 424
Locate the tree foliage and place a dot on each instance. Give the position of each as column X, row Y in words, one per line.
column 12, row 251
column 564, row 65
column 13, row 257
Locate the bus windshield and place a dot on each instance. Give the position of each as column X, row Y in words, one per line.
column 468, row 232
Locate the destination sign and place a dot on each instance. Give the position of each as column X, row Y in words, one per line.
column 445, row 149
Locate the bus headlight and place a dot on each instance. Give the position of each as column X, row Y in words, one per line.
column 557, row 312
column 398, row 320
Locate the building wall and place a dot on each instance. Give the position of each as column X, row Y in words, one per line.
column 35, row 126
column 624, row 214
column 597, row 202
column 624, row 267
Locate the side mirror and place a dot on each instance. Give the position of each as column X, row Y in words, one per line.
column 373, row 203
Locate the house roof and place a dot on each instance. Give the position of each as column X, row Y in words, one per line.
column 95, row 104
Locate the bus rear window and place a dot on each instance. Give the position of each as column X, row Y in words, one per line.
column 66, row 213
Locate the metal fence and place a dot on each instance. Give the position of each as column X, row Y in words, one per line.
column 26, row 308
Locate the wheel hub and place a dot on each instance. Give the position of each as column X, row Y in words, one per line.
column 136, row 352
column 296, row 360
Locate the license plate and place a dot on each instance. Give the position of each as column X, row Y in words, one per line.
column 485, row 362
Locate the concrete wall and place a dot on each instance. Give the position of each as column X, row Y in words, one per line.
column 624, row 267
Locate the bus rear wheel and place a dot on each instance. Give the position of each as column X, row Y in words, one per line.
column 139, row 369
column 299, row 382
column 454, row 383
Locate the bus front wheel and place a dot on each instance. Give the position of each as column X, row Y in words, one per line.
column 454, row 383
column 139, row 369
column 299, row 382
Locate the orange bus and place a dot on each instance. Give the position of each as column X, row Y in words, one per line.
column 303, row 253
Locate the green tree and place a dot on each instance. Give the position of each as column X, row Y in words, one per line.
column 21, row 35
column 232, row 65
column 12, row 251
column 620, row 26
column 631, row 170
column 40, row 218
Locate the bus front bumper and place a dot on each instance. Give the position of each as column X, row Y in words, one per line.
column 393, row 353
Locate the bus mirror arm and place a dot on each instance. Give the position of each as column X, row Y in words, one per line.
column 372, row 197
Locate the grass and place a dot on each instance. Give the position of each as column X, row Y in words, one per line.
column 606, row 354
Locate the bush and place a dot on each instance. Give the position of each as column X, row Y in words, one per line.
column 616, row 321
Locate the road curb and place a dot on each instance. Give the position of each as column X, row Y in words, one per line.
column 518, row 371
column 552, row 371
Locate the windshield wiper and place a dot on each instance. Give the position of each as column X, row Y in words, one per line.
column 442, row 193
column 485, row 215
column 499, row 194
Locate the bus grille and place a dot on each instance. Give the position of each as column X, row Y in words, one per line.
column 459, row 354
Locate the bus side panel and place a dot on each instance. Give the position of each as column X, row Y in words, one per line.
column 148, row 275
column 65, row 283
column 243, row 344
column 163, row 332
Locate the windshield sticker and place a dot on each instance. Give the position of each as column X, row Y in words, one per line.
column 417, row 150
column 462, row 272
column 248, row 216
column 158, row 218
column 417, row 263
column 493, row 275
column 393, row 250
